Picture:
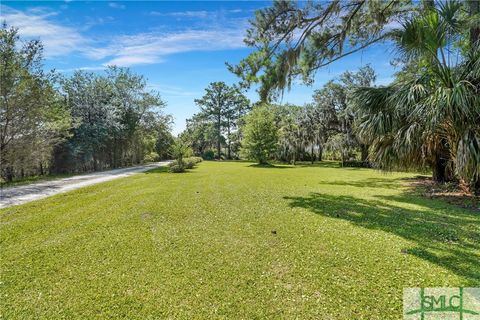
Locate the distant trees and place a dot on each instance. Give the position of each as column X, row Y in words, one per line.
column 82, row 123
column 327, row 124
column 260, row 134
column 118, row 122
column 33, row 116
column 336, row 113
column 221, row 108
column 201, row 135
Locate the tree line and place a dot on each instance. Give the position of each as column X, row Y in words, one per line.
column 55, row 124
column 227, row 127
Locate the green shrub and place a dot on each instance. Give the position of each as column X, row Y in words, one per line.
column 176, row 168
column 196, row 159
column 151, row 157
column 208, row 155
column 186, row 163
column 189, row 163
column 356, row 164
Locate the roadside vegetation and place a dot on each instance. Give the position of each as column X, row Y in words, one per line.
column 51, row 124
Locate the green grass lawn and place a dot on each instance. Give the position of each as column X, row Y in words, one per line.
column 230, row 240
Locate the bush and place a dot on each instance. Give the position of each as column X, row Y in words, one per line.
column 189, row 163
column 176, row 168
column 151, row 157
column 357, row 164
column 196, row 159
column 208, row 155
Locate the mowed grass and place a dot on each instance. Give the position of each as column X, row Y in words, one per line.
column 230, row 240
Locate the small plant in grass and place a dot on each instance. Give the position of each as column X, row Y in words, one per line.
column 189, row 163
column 179, row 151
column 176, row 168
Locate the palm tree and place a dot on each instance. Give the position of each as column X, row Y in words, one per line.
column 430, row 114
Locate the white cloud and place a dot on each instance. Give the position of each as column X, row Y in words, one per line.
column 185, row 14
column 169, row 90
column 125, row 50
column 150, row 48
column 115, row 5
column 95, row 68
column 34, row 24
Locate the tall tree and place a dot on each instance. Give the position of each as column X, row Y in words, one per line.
column 260, row 134
column 200, row 135
column 213, row 107
column 33, row 117
column 430, row 113
column 223, row 106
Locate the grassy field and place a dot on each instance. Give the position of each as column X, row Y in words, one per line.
column 231, row 240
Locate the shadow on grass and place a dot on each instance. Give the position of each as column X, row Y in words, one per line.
column 270, row 166
column 158, row 170
column 443, row 235
column 303, row 164
column 367, row 183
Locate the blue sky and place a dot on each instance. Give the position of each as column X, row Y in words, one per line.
column 180, row 47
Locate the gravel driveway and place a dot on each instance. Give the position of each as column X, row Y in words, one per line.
column 17, row 195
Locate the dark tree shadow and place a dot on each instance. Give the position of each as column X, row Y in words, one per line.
column 366, row 183
column 158, row 170
column 270, row 166
column 444, row 235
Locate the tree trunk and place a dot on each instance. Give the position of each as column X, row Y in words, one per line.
column 440, row 168
column 229, row 155
column 364, row 152
column 312, row 153
column 8, row 176
column 218, row 137
column 94, row 163
column 320, row 153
